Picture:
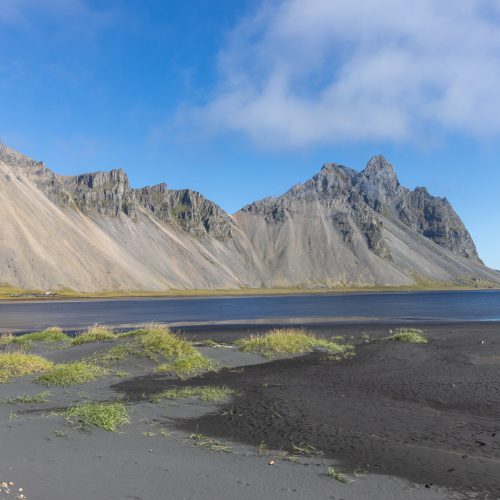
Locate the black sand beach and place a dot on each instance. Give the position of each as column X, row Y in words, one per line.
column 399, row 420
column 429, row 413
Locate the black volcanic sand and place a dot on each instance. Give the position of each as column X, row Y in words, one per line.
column 428, row 413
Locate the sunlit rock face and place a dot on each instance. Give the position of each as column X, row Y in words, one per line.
column 340, row 228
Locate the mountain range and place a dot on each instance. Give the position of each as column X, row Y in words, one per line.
column 94, row 232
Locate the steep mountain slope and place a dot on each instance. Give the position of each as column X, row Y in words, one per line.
column 94, row 232
column 344, row 228
column 89, row 233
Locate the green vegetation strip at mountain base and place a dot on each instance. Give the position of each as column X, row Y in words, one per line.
column 107, row 416
column 9, row 293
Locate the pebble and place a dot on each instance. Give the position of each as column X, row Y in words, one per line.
column 6, row 488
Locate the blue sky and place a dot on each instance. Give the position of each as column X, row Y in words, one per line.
column 241, row 99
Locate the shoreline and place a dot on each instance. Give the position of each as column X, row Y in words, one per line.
column 228, row 332
column 8, row 295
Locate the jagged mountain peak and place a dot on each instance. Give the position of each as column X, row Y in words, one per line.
column 376, row 188
column 377, row 164
column 380, row 174
column 335, row 168
column 341, row 227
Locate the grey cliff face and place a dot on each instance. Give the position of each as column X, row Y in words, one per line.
column 188, row 209
column 357, row 199
column 435, row 219
column 103, row 193
column 109, row 194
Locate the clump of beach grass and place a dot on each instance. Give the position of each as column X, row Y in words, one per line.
column 186, row 366
column 156, row 342
column 208, row 393
column 77, row 372
column 6, row 338
column 305, row 449
column 49, row 335
column 116, row 354
column 289, row 342
column 95, row 334
column 211, row 444
column 42, row 397
column 409, row 335
column 159, row 340
column 335, row 474
column 183, row 358
column 144, row 330
column 18, row 364
column 107, row 416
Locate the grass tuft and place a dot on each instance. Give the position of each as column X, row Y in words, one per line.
column 107, row 416
column 94, row 334
column 211, row 444
column 335, row 474
column 155, row 341
column 116, row 354
column 306, row 449
column 6, row 338
column 78, row 372
column 409, row 335
column 204, row 393
column 289, row 342
column 18, row 364
column 159, row 340
column 144, row 330
column 187, row 366
column 42, row 397
column 51, row 335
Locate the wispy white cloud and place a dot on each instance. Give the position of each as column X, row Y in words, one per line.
column 300, row 72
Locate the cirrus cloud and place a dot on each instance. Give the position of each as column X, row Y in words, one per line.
column 302, row 72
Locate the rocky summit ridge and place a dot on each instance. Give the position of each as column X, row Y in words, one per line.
column 95, row 232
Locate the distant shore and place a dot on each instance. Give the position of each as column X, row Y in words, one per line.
column 8, row 293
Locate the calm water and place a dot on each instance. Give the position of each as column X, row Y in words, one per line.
column 418, row 306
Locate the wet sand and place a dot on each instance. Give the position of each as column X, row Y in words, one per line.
column 400, row 420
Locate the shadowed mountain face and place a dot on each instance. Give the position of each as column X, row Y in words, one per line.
column 94, row 232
